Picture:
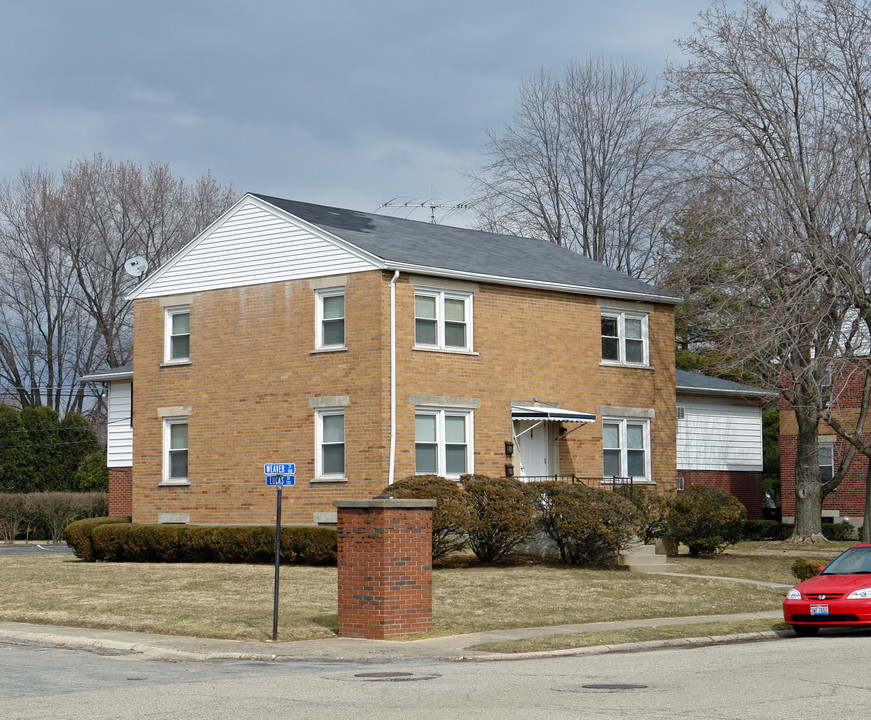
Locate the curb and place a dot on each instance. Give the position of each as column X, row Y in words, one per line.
column 155, row 652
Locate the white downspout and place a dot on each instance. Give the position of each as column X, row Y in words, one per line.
column 392, row 464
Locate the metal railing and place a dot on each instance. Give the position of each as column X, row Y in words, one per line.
column 622, row 485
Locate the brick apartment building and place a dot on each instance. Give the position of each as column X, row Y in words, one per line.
column 367, row 348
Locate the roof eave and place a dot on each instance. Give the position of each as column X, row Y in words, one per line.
column 760, row 394
column 535, row 284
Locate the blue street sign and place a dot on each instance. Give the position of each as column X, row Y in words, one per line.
column 280, row 480
column 279, row 469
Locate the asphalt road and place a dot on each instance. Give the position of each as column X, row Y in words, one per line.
column 34, row 549
column 809, row 678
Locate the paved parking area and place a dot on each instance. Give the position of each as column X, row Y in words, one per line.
column 35, row 548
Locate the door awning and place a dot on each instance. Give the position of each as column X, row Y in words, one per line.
column 543, row 414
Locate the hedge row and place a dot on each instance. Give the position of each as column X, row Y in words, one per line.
column 116, row 539
column 773, row 530
column 44, row 515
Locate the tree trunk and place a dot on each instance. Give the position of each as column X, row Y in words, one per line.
column 808, row 484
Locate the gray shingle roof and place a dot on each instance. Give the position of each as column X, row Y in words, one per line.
column 123, row 372
column 414, row 245
column 697, row 382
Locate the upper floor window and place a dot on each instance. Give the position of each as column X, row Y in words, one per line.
column 175, row 450
column 443, row 319
column 177, row 342
column 442, row 442
column 626, row 448
column 826, row 456
column 330, row 441
column 331, row 318
column 624, row 337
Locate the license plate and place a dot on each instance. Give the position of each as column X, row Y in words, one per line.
column 819, row 609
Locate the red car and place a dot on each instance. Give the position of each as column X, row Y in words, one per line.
column 840, row 596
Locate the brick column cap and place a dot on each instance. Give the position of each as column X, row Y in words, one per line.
column 384, row 503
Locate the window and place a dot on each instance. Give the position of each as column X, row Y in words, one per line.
column 331, row 318
column 826, row 455
column 442, row 442
column 625, row 448
column 175, row 450
column 330, row 440
column 443, row 320
column 178, row 334
column 624, row 338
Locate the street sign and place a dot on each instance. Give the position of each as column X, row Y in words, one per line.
column 280, row 480
column 279, row 469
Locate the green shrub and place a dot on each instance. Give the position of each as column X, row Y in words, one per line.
column 705, row 519
column 804, row 569
column 500, row 513
column 589, row 526
column 839, row 531
column 765, row 530
column 92, row 474
column 450, row 515
column 119, row 542
column 652, row 509
column 78, row 535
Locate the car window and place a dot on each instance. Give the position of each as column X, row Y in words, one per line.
column 853, row 560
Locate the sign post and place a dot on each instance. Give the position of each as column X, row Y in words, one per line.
column 278, row 474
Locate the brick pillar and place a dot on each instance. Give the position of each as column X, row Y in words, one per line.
column 385, row 567
column 120, row 491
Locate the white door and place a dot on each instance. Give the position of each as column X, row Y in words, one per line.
column 534, row 440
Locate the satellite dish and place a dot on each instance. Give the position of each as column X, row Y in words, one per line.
column 136, row 266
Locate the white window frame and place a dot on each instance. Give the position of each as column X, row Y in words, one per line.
column 621, row 316
column 320, row 475
column 169, row 314
column 441, row 445
column 320, row 296
column 168, row 424
column 623, row 422
column 827, row 447
column 440, row 297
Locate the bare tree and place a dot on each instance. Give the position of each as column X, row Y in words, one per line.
column 778, row 136
column 63, row 245
column 587, row 164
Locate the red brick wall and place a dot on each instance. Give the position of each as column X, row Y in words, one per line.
column 746, row 486
column 384, row 570
column 849, row 497
column 120, row 491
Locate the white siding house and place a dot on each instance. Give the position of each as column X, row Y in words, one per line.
column 719, row 435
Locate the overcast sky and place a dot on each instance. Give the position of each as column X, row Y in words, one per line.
column 342, row 103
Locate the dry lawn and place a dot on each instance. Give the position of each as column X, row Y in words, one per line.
column 235, row 601
column 768, row 561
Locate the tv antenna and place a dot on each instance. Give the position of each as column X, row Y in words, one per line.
column 431, row 204
column 137, row 267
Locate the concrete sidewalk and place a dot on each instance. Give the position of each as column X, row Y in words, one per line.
column 451, row 648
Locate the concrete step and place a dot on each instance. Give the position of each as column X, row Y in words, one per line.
column 644, row 558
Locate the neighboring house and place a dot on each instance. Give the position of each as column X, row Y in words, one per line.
column 119, row 435
column 367, row 348
column 719, row 436
column 846, row 503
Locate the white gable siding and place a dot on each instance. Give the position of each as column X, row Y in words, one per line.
column 718, row 434
column 119, row 436
column 251, row 246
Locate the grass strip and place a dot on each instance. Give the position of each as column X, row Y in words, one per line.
column 545, row 643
